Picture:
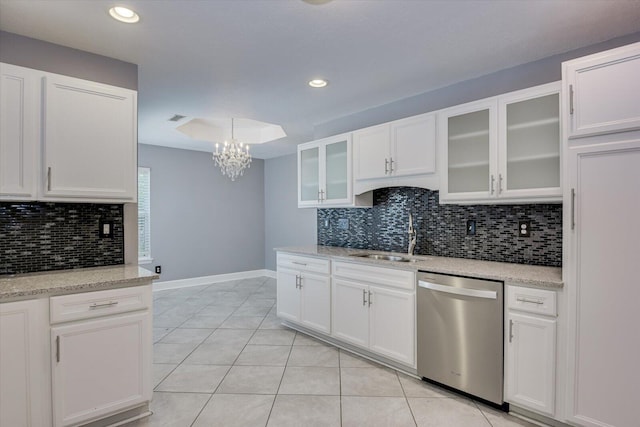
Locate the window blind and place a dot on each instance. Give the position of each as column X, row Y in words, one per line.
column 144, row 213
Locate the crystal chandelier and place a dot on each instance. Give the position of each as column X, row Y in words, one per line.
column 234, row 157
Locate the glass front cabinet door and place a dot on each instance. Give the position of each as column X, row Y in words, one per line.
column 324, row 172
column 469, row 133
column 504, row 149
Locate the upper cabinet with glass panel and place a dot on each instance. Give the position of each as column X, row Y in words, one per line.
column 324, row 174
column 504, row 149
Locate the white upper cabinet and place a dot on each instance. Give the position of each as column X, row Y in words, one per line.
column 324, row 174
column 402, row 152
column 89, row 142
column 66, row 139
column 603, row 92
column 504, row 149
column 469, row 151
column 19, row 132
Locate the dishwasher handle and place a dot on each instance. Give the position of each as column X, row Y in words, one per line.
column 458, row 291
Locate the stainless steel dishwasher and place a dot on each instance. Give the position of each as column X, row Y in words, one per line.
column 460, row 334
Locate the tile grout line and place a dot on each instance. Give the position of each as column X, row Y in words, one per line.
column 406, row 399
column 281, row 378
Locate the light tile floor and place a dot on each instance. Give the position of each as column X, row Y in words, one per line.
column 221, row 358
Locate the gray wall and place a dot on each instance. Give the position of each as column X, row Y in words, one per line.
column 202, row 223
column 54, row 58
column 285, row 224
column 523, row 76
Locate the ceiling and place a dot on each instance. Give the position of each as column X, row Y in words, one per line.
column 253, row 58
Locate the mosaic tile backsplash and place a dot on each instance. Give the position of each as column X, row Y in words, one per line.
column 38, row 236
column 441, row 229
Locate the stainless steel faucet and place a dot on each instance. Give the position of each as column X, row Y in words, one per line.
column 412, row 236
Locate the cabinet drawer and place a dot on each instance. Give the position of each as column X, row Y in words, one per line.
column 531, row 300
column 86, row 305
column 303, row 263
column 378, row 275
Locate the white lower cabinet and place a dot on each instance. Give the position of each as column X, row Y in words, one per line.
column 101, row 357
column 531, row 349
column 304, row 294
column 378, row 318
column 25, row 386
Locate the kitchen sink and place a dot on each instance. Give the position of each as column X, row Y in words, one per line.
column 383, row 257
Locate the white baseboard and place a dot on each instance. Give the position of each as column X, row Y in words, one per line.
column 207, row 280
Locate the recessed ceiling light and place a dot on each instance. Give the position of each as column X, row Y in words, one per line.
column 318, row 83
column 124, row 14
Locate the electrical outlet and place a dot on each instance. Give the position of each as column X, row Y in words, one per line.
column 471, row 227
column 326, row 223
column 158, row 269
column 343, row 224
column 524, row 228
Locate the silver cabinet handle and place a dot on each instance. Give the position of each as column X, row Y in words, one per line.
column 386, row 166
column 104, row 305
column 369, row 298
column 322, row 198
column 297, row 281
column 364, row 297
column 510, row 330
column 573, row 208
column 493, row 180
column 58, row 349
column 570, row 99
column 391, row 165
column 300, row 282
column 499, row 183
column 531, row 301
column 49, row 178
column 318, row 196
column 299, row 263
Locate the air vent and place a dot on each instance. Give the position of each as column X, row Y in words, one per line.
column 176, row 118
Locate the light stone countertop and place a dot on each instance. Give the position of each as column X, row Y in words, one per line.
column 518, row 274
column 60, row 282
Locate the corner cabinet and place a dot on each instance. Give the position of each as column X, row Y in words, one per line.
column 324, row 174
column 504, row 149
column 19, row 132
column 66, row 139
column 25, row 386
column 402, row 152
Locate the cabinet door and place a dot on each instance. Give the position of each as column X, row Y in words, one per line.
column 469, row 142
column 531, row 361
column 337, row 171
column 371, row 152
column 309, row 176
column 25, row 386
column 350, row 312
column 603, row 91
column 602, row 285
column 288, row 295
column 90, row 143
column 392, row 324
column 529, row 150
column 92, row 375
column 315, row 311
column 413, row 145
column 19, row 132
